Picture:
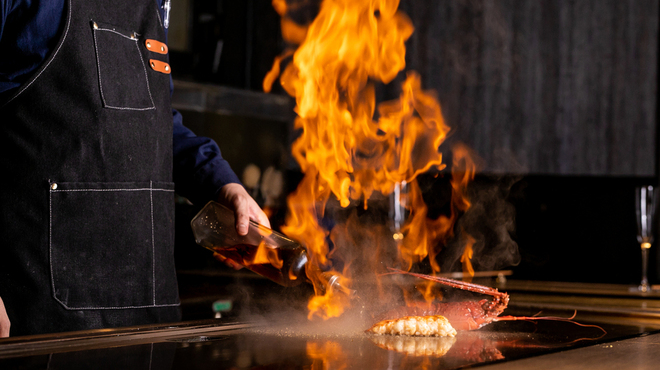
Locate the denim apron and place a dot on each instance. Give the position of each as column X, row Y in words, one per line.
column 87, row 204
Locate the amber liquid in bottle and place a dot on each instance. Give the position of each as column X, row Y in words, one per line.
column 293, row 259
column 286, row 261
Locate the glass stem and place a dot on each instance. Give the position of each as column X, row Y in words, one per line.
column 645, row 262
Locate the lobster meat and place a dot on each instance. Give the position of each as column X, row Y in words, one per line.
column 467, row 315
column 436, row 326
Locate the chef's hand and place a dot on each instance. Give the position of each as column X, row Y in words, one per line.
column 4, row 321
column 245, row 208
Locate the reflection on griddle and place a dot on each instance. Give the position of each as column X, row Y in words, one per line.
column 475, row 348
column 326, row 355
column 464, row 347
column 414, row 346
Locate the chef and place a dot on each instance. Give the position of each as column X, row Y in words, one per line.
column 93, row 156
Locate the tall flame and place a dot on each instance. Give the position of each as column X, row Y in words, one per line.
column 345, row 153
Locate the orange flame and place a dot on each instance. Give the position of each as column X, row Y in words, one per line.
column 280, row 7
column 422, row 233
column 344, row 153
column 331, row 304
column 272, row 75
column 428, row 291
column 463, row 171
column 468, row 270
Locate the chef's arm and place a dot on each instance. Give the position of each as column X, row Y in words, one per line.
column 4, row 321
column 199, row 169
column 201, row 174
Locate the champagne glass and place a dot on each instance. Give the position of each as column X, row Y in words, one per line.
column 398, row 211
column 645, row 203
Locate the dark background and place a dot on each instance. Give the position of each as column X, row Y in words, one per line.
column 558, row 98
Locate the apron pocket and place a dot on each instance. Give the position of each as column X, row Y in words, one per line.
column 111, row 245
column 122, row 71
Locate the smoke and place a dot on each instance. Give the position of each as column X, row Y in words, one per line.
column 491, row 222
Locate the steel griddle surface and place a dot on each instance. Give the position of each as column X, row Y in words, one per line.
column 264, row 345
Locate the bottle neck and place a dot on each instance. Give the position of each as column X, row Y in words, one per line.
column 324, row 280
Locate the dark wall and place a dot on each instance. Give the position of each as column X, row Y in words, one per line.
column 230, row 43
column 579, row 229
column 544, row 86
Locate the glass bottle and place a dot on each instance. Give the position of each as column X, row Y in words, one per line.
column 262, row 250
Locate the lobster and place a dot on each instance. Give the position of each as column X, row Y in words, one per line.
column 466, row 315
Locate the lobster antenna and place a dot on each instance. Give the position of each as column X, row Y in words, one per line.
column 449, row 282
column 551, row 318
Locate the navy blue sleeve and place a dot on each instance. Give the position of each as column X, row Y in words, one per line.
column 5, row 8
column 199, row 169
column 29, row 30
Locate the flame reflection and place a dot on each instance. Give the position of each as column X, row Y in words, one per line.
column 415, row 346
column 326, row 355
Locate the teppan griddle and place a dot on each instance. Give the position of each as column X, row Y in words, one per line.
column 632, row 323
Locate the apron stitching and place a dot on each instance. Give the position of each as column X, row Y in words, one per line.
column 137, row 189
column 158, row 16
column 98, row 67
column 50, row 247
column 116, row 307
column 50, row 251
column 151, row 355
column 153, row 247
column 124, row 108
column 50, row 243
column 66, row 32
column 114, row 31
column 50, row 358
